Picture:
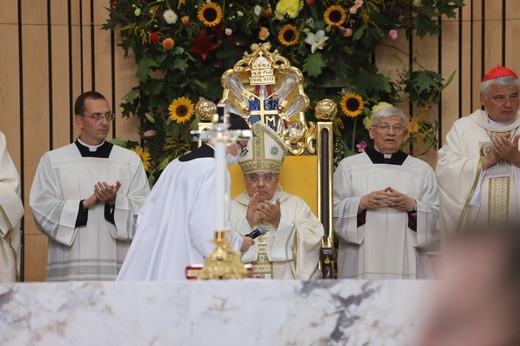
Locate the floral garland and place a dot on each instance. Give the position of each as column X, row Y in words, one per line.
column 182, row 47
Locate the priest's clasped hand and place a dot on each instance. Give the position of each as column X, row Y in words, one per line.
column 387, row 198
column 106, row 193
column 103, row 193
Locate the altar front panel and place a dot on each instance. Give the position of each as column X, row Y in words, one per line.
column 254, row 312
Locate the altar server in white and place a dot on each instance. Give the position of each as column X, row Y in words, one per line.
column 11, row 213
column 385, row 207
column 176, row 225
column 478, row 166
column 86, row 196
column 290, row 248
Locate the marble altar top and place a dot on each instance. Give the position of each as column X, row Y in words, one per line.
column 251, row 312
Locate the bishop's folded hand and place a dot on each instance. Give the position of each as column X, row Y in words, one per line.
column 270, row 212
column 253, row 214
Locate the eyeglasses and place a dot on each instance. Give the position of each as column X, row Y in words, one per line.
column 255, row 178
column 503, row 99
column 386, row 128
column 98, row 116
column 243, row 150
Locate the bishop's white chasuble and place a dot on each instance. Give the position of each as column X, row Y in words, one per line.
column 470, row 195
column 289, row 252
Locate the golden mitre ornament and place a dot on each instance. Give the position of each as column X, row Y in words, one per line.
column 266, row 151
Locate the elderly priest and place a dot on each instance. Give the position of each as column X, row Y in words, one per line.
column 290, row 248
column 385, row 206
column 479, row 166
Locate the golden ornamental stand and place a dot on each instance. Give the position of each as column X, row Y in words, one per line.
column 223, row 263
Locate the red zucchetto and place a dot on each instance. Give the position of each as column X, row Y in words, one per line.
column 499, row 71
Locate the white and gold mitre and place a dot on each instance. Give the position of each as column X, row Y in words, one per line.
column 266, row 151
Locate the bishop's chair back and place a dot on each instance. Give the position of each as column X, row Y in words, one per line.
column 263, row 86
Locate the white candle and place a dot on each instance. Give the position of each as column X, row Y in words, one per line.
column 220, row 182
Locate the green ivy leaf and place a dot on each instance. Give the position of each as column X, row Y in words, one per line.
column 371, row 82
column 132, row 95
column 358, row 34
column 157, row 86
column 144, row 67
column 180, row 64
column 314, row 64
column 425, row 81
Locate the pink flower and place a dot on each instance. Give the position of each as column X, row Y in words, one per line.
column 347, row 32
column 353, row 10
column 392, row 34
column 228, row 31
column 149, row 133
column 361, row 146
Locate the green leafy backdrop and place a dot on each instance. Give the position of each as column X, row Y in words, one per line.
column 182, row 47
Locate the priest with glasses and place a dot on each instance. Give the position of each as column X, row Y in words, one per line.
column 385, row 206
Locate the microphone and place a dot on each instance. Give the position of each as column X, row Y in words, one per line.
column 261, row 230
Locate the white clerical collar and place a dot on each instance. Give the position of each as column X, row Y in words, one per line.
column 90, row 147
column 386, row 156
column 497, row 124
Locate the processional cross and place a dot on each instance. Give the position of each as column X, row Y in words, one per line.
column 223, row 263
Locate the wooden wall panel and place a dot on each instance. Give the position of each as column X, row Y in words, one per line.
column 477, row 50
column 9, row 12
column 493, row 34
column 63, row 52
column 449, row 62
column 35, row 257
column 10, row 117
column 464, row 73
column 37, row 119
column 124, row 73
column 512, row 32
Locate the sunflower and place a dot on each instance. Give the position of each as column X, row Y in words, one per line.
column 335, row 15
column 181, row 110
column 352, row 105
column 145, row 157
column 288, row 35
column 210, row 14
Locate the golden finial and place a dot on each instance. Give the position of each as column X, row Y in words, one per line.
column 326, row 110
column 205, row 110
